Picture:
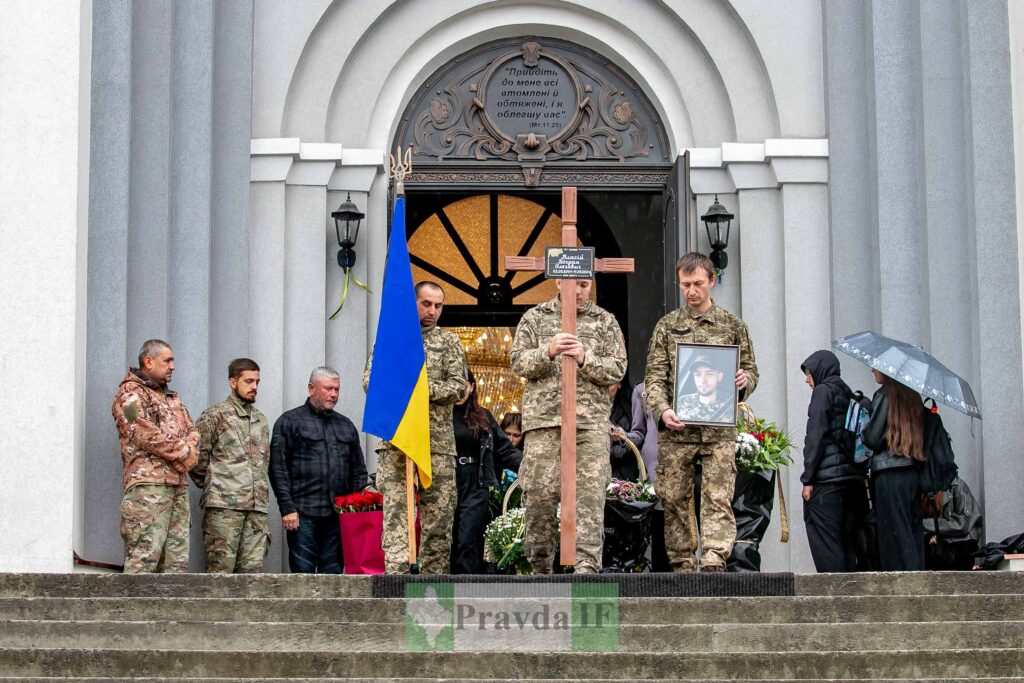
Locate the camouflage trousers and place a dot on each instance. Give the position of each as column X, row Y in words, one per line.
column 673, row 480
column 236, row 541
column 540, row 476
column 155, row 525
column 436, row 508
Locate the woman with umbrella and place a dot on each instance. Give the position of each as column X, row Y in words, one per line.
column 895, row 434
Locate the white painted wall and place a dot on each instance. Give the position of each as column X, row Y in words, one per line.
column 43, row 158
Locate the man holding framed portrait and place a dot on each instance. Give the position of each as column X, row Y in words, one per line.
column 694, row 351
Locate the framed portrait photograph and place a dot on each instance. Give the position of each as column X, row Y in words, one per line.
column 705, row 386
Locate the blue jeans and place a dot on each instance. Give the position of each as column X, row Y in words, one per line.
column 315, row 547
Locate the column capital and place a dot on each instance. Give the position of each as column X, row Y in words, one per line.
column 322, row 164
column 746, row 165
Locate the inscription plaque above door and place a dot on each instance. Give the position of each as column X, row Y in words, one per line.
column 528, row 102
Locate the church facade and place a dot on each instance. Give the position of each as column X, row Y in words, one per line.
column 870, row 153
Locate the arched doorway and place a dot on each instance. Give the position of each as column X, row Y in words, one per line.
column 495, row 133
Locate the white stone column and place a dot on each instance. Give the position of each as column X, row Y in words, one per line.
column 44, row 148
column 295, row 282
column 778, row 280
column 802, row 171
column 1015, row 11
column 271, row 161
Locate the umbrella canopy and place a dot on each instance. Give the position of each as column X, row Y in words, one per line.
column 912, row 366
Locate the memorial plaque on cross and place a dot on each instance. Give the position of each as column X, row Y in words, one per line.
column 569, row 264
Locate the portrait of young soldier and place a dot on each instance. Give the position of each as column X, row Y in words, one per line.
column 711, row 402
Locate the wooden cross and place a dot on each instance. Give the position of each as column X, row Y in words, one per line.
column 567, row 293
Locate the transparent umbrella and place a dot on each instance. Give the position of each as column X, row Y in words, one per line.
column 912, row 366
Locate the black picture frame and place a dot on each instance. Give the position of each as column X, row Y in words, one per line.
column 713, row 367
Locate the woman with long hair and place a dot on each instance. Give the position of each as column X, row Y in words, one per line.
column 895, row 434
column 483, row 451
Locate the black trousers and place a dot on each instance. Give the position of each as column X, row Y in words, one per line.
column 898, row 519
column 315, row 547
column 832, row 517
column 659, row 556
column 471, row 517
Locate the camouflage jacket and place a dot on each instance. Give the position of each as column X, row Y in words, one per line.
column 716, row 326
column 446, row 380
column 155, row 430
column 603, row 365
column 234, row 452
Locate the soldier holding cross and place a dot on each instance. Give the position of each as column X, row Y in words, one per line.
column 600, row 356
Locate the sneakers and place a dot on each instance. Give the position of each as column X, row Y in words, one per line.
column 712, row 569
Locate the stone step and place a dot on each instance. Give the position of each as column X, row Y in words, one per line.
column 107, row 679
column 839, row 609
column 175, row 664
column 391, row 637
column 305, row 586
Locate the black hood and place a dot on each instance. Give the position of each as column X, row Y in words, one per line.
column 822, row 365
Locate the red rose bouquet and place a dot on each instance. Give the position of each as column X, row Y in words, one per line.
column 360, row 501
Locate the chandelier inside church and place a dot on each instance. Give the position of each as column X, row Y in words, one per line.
column 487, row 349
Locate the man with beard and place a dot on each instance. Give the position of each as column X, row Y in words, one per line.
column 705, row 405
column 234, row 451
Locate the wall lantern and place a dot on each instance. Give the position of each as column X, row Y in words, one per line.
column 346, row 227
column 347, row 219
column 717, row 222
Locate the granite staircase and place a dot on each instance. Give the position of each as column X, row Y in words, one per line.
column 889, row 627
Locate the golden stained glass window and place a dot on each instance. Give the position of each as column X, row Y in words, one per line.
column 463, row 244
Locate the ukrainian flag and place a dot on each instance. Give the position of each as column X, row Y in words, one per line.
column 397, row 398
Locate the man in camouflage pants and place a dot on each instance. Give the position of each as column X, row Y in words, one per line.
column 234, row 452
column 700, row 321
column 158, row 446
column 600, row 354
column 447, row 383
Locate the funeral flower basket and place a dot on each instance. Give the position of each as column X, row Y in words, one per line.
column 628, row 506
column 362, row 524
column 360, row 501
column 761, row 449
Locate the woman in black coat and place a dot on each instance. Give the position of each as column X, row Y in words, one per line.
column 895, row 434
column 483, row 451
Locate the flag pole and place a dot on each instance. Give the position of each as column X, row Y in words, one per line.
column 399, row 168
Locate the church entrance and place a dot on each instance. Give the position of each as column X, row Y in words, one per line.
column 495, row 134
column 458, row 239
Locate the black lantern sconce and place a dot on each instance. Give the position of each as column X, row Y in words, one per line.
column 717, row 221
column 346, row 226
column 347, row 218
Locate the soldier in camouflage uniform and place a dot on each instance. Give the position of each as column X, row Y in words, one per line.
column 447, row 383
column 158, row 446
column 536, row 354
column 699, row 321
column 234, row 451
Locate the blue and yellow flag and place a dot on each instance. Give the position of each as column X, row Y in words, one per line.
column 397, row 398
